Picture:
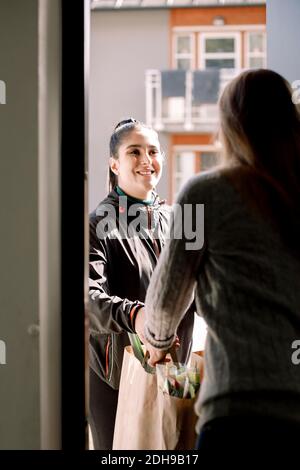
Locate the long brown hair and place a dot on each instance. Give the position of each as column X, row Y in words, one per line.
column 260, row 129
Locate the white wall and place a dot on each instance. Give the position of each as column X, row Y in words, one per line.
column 49, row 223
column 19, row 301
column 123, row 45
column 29, row 194
column 283, row 37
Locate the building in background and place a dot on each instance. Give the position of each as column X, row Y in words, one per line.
column 165, row 62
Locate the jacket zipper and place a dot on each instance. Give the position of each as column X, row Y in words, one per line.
column 155, row 245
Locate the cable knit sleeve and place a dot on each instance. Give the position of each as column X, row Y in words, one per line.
column 173, row 282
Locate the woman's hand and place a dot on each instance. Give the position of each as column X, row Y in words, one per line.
column 156, row 355
column 159, row 355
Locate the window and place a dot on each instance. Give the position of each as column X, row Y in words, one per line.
column 184, row 169
column 255, row 49
column 173, row 109
column 184, row 51
column 219, row 50
column 205, row 113
column 189, row 162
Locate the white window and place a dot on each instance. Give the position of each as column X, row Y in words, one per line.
column 255, row 49
column 174, row 108
column 205, row 113
column 189, row 162
column 184, row 51
column 184, row 169
column 220, row 50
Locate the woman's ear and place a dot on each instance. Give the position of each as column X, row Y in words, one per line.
column 114, row 165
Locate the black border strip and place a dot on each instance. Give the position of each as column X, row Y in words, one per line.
column 73, row 148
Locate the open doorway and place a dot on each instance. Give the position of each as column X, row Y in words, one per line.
column 165, row 64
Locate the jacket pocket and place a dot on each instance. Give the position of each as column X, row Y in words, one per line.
column 101, row 355
column 106, row 356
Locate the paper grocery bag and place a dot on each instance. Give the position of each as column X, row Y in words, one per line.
column 147, row 419
column 177, row 419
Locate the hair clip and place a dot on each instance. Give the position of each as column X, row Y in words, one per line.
column 124, row 122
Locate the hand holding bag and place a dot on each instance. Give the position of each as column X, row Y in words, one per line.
column 147, row 418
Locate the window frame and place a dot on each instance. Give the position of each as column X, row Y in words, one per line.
column 179, row 55
column 177, row 174
column 203, row 55
column 249, row 55
column 197, row 150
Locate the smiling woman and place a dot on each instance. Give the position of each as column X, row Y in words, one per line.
column 136, row 161
column 121, row 265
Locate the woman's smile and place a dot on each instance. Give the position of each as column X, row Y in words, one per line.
column 139, row 164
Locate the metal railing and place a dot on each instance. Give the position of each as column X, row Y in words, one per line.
column 182, row 113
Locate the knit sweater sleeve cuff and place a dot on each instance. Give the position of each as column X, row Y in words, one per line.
column 133, row 313
column 158, row 343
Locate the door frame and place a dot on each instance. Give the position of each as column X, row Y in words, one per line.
column 74, row 235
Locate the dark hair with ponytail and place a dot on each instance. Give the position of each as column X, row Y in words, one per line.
column 122, row 129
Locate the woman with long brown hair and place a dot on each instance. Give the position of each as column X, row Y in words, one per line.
column 246, row 276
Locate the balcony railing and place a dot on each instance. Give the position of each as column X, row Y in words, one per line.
column 185, row 100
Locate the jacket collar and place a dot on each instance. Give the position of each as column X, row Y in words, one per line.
column 135, row 200
column 113, row 198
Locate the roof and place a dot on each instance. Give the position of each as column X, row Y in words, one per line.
column 143, row 4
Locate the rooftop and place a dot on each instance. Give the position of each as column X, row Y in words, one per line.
column 139, row 4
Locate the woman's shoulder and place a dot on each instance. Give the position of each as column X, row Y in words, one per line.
column 106, row 206
column 218, row 174
column 205, row 184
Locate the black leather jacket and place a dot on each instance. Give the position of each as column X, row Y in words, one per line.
column 126, row 238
